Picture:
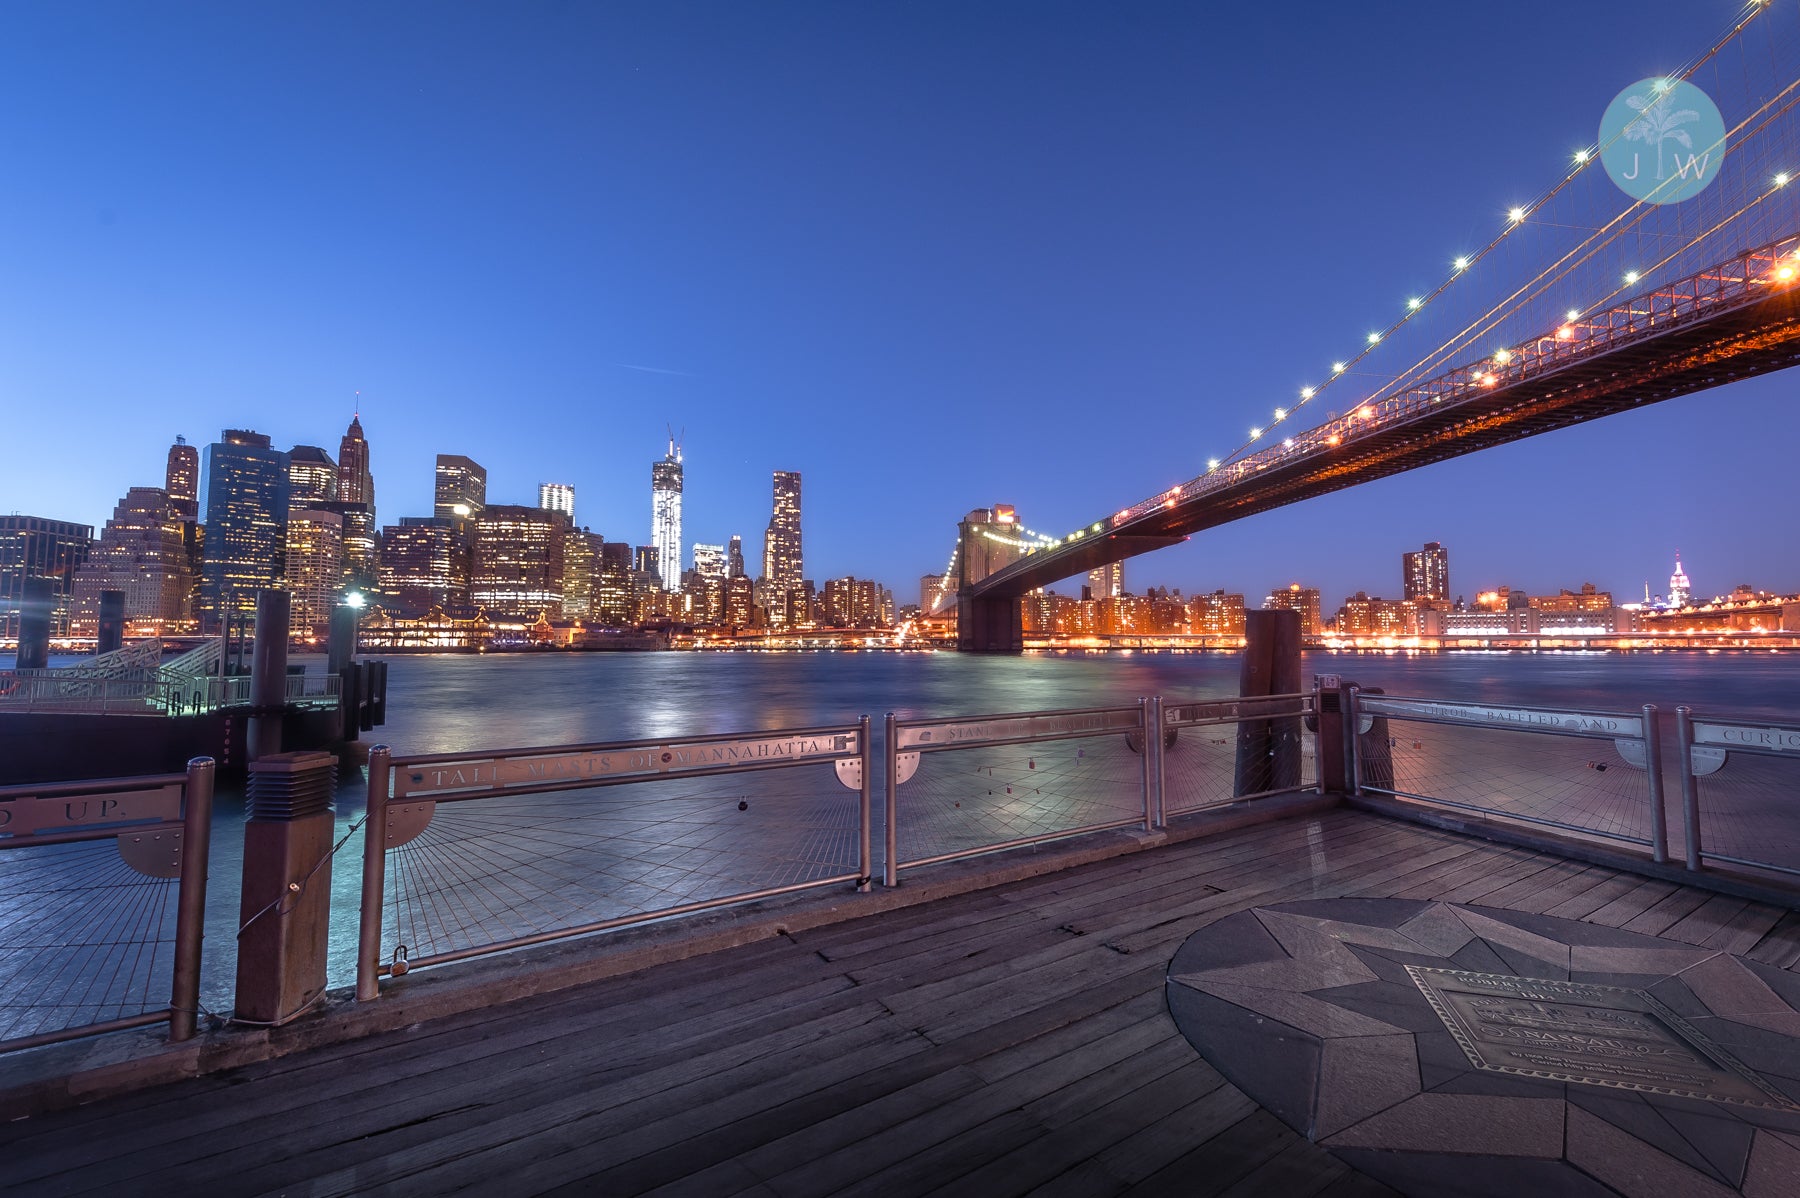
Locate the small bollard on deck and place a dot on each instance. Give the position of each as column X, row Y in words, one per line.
column 285, row 914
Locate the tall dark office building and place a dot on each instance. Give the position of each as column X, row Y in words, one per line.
column 246, row 523
column 183, row 479
column 461, row 483
column 1427, row 572
column 612, row 584
column 518, row 562
column 33, row 547
column 782, row 563
column 356, row 503
column 736, row 558
column 312, row 477
column 423, row 566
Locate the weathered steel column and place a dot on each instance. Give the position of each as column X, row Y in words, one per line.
column 37, row 598
column 285, row 912
column 112, row 621
column 268, row 675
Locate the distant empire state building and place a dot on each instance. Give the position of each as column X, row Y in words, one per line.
column 665, row 515
column 1679, row 590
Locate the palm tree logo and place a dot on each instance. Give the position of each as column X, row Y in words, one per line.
column 1657, row 122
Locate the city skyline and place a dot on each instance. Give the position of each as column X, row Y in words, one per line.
column 1011, row 288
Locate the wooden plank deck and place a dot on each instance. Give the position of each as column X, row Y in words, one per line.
column 1009, row 1041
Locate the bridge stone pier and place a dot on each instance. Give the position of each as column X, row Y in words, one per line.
column 990, row 623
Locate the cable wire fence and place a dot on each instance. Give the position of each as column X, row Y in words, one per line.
column 467, row 854
column 1224, row 751
column 102, row 902
column 1739, row 786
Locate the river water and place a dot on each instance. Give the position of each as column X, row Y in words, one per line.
column 455, row 703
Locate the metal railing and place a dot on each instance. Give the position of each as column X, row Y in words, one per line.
column 148, row 692
column 1596, row 774
column 474, row 853
column 1738, row 785
column 87, row 939
column 1227, row 750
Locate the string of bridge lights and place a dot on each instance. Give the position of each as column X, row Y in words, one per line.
column 1516, row 216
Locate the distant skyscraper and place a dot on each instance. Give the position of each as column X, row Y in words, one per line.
column 1304, row 600
column 423, row 565
column 783, row 561
column 183, row 480
column 1107, row 582
column 931, row 589
column 710, row 560
column 32, row 547
column 1679, row 590
column 356, row 503
column 461, row 483
column 735, row 555
column 665, row 516
column 355, row 483
column 315, row 567
column 142, row 551
column 246, row 523
column 612, row 586
column 557, row 497
column 1426, row 572
column 519, row 555
column 312, row 477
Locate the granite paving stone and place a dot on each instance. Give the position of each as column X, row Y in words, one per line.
column 1631, row 1166
column 1360, row 1076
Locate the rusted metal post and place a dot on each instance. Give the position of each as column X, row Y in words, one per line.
column 1659, row 815
column 865, row 868
column 190, row 900
column 1690, row 786
column 890, row 810
column 374, row 879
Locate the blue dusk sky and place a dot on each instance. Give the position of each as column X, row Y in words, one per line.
column 931, row 255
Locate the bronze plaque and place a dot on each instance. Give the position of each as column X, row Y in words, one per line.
column 1596, row 1035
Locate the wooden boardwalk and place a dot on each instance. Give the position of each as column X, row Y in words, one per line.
column 1010, row 1041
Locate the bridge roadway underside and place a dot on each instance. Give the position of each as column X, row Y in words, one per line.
column 1694, row 354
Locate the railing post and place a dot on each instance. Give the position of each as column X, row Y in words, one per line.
column 1353, row 736
column 1318, row 711
column 190, row 900
column 1147, row 764
column 1659, row 815
column 1690, row 787
column 865, row 869
column 1158, row 777
column 374, row 879
column 890, row 809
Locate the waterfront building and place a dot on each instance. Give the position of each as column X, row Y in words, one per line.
column 1107, row 582
column 1217, row 614
column 665, row 516
column 931, row 587
column 1680, row 592
column 740, row 602
column 246, row 523
column 1304, row 600
column 1588, row 598
column 801, row 603
column 518, row 561
column 581, row 563
column 34, row 547
column 783, row 560
column 1047, row 613
column 612, row 600
column 356, row 504
column 850, row 603
column 315, row 569
column 988, row 541
column 143, row 552
column 424, row 565
column 557, row 497
column 1425, row 573
column 182, row 479
column 312, row 477
column 461, row 488
column 1363, row 615
column 736, row 556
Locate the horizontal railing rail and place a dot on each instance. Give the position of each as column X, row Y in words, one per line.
column 1738, row 782
column 547, row 868
column 1272, row 750
column 1562, row 789
column 78, row 968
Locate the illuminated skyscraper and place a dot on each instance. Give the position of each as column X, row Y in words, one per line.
column 1304, row 600
column 246, row 523
column 710, row 560
column 356, row 503
column 665, row 516
column 518, row 562
column 735, row 554
column 315, row 567
column 32, row 547
column 312, row 477
column 461, row 483
column 355, row 483
column 143, row 553
column 1679, row 590
column 1107, row 582
column 783, row 563
column 1426, row 572
column 424, row 564
column 557, row 497
column 183, row 480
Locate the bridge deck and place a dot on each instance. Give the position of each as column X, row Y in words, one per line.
column 1013, row 1040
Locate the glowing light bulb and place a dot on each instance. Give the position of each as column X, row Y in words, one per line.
column 1503, row 356
column 1582, row 156
column 1631, row 276
column 1212, row 463
column 1288, row 444
column 1281, row 413
column 1333, row 439
column 1516, row 214
column 1255, row 433
column 1785, row 273
column 1572, row 314
column 1365, row 412
column 1337, row 368
column 1307, row 393
column 1462, row 264
column 1781, row 180
column 1374, row 338
column 1412, row 305
column 1564, row 333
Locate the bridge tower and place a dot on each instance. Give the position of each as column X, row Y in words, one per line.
column 988, row 542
